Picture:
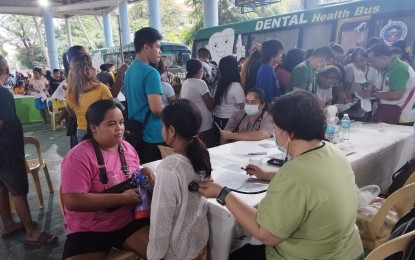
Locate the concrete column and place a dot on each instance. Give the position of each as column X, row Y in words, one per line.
column 68, row 32
column 210, row 13
column 154, row 9
column 50, row 39
column 125, row 27
column 108, row 31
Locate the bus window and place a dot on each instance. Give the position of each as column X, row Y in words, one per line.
column 316, row 36
column 289, row 38
column 353, row 34
column 197, row 45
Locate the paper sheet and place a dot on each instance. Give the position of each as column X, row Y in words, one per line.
column 364, row 103
column 240, row 181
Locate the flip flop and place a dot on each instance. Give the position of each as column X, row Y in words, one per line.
column 44, row 239
column 17, row 230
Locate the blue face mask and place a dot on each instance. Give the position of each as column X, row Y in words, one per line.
column 251, row 110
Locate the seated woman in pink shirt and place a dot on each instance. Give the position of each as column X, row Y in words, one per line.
column 97, row 221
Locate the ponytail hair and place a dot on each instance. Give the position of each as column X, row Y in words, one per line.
column 186, row 119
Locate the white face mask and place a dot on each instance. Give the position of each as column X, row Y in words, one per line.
column 282, row 148
column 251, row 110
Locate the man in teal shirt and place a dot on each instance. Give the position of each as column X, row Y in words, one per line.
column 143, row 91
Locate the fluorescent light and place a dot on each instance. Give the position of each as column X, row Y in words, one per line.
column 44, row 3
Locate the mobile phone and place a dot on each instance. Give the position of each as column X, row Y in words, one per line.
column 276, row 162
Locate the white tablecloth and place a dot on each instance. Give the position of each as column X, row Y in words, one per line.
column 374, row 151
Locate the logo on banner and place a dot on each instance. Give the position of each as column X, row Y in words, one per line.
column 393, row 32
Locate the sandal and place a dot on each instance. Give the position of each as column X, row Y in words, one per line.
column 44, row 239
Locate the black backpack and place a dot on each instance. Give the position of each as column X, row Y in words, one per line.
column 405, row 225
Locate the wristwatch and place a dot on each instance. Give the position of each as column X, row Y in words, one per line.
column 222, row 195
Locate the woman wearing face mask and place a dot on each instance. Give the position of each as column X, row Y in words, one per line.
column 309, row 210
column 179, row 225
column 251, row 124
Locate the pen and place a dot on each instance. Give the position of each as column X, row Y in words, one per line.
column 218, row 126
column 259, row 153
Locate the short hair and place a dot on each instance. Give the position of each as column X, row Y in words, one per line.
column 259, row 93
column 55, row 70
column 380, row 49
column 372, row 41
column 331, row 69
column 359, row 52
column 146, row 35
column 270, row 49
column 323, row 52
column 37, row 69
column 192, row 67
column 308, row 53
column 337, row 48
column 203, row 53
column 103, row 67
column 300, row 114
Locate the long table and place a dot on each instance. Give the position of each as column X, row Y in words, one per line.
column 25, row 109
column 375, row 151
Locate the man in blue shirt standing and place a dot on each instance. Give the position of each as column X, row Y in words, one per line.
column 143, row 91
column 271, row 54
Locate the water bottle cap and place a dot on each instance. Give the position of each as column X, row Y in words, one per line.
column 346, row 115
column 331, row 119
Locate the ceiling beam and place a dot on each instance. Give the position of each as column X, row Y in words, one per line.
column 83, row 6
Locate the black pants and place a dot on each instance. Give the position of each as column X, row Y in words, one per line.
column 249, row 252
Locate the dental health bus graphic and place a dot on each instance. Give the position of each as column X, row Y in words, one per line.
column 349, row 24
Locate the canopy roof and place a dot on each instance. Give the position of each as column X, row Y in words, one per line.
column 60, row 8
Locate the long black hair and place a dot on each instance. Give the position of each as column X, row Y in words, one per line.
column 228, row 67
column 186, row 119
column 95, row 114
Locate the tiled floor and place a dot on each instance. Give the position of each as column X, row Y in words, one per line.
column 55, row 145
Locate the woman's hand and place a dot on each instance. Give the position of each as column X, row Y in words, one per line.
column 252, row 169
column 226, row 134
column 131, row 196
column 209, row 189
column 150, row 174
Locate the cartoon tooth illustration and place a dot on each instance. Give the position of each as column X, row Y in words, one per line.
column 221, row 44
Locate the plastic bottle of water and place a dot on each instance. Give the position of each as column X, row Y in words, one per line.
column 331, row 130
column 142, row 210
column 346, row 127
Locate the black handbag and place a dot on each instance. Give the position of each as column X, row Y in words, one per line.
column 131, row 183
column 134, row 130
column 401, row 176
